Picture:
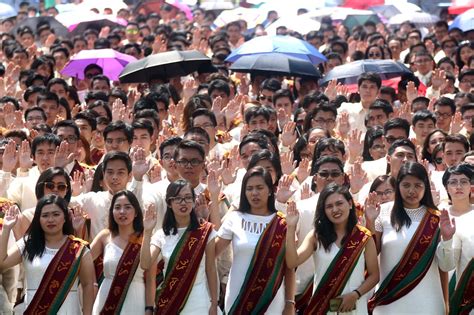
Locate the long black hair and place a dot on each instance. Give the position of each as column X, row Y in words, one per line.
column 261, row 172
column 169, row 222
column 323, row 227
column 137, row 221
column 399, row 217
column 34, row 237
column 425, row 153
column 47, row 176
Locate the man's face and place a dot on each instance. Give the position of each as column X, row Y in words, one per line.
column 440, row 32
column 328, row 173
column 395, row 47
column 447, row 67
column 27, row 40
column 84, row 128
column 400, row 156
column 417, row 106
column 116, row 176
column 67, row 134
column 44, row 35
column 142, row 139
column 258, row 122
column 467, row 118
column 376, row 117
column 20, row 59
column 467, row 83
column 117, row 141
column 424, row 64
column 413, row 39
column 34, row 118
column 51, row 109
column 44, row 156
column 286, row 104
column 79, row 45
column 443, row 117
column 166, row 160
column 60, row 59
column 422, row 128
column 184, row 164
column 205, row 123
column 394, row 134
column 324, row 120
column 234, row 33
column 453, row 153
column 101, row 86
column 222, row 94
column 331, row 63
column 449, row 48
column 368, row 91
column 59, row 90
column 200, row 139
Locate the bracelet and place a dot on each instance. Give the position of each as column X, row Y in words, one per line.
column 358, row 293
column 150, row 308
column 95, row 284
column 290, row 302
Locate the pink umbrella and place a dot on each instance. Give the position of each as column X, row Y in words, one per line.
column 78, row 22
column 182, row 7
column 111, row 61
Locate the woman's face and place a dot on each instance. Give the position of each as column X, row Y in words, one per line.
column 183, row 203
column 44, row 70
column 412, row 190
column 459, row 187
column 257, row 192
column 385, row 192
column 377, row 150
column 268, row 166
column 62, row 112
column 465, row 53
column 375, row 53
column 337, row 208
column 328, row 173
column 52, row 219
column 435, row 139
column 57, row 186
column 438, row 161
column 123, row 211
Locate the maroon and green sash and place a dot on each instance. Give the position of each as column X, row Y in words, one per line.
column 413, row 266
column 339, row 271
column 126, row 268
column 182, row 270
column 462, row 301
column 302, row 299
column 58, row 278
column 99, row 269
column 265, row 272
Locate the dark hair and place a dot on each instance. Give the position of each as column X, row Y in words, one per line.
column 374, row 46
column 67, row 124
column 399, row 217
column 460, row 169
column 252, row 138
column 173, row 141
column 396, row 123
column 47, row 96
column 463, row 44
column 401, row 143
column 48, row 176
column 270, row 84
column 281, row 93
column 142, row 123
column 383, row 105
column 137, row 221
column 423, row 115
column 371, row 135
column 100, row 77
column 114, row 156
column 191, row 145
column 46, row 138
column 446, row 101
column 313, row 97
column 169, row 220
column 14, row 101
column 323, row 227
column 457, row 138
column 219, row 85
column 323, row 107
column 89, row 116
column 255, row 111
column 331, row 144
column 379, row 180
column 34, row 237
column 204, row 112
column 261, row 172
column 425, row 154
column 266, row 155
column 57, row 81
column 370, row 76
column 119, row 126
column 35, row 109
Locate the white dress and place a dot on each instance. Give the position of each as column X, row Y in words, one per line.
column 135, row 300
column 244, row 230
column 322, row 259
column 427, row 297
column 198, row 301
column 34, row 272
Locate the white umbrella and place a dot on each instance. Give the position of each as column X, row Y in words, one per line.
column 115, row 5
column 6, row 11
column 336, row 13
column 302, row 25
column 216, row 5
column 251, row 16
column 288, row 8
column 419, row 18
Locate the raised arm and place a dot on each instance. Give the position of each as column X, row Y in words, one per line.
column 87, row 278
column 295, row 257
column 12, row 257
column 148, row 253
column 211, row 274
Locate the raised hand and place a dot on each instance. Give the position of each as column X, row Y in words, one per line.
column 288, row 165
column 284, row 191
column 355, row 145
column 227, row 171
column 343, row 126
column 118, row 110
column 26, row 162
column 288, row 135
column 149, row 218
column 201, row 207
column 78, row 217
column 305, row 192
column 189, row 89
column 438, row 79
column 10, row 157
column 232, row 110
column 457, row 123
column 217, row 108
column 412, row 92
column 371, row 207
column 292, row 215
column 404, row 111
column 358, row 177
column 89, row 180
column 214, row 185
column 140, row 165
column 61, row 157
column 446, row 226
column 154, row 174
column 304, row 169
column 11, row 217
column 331, row 91
column 77, row 183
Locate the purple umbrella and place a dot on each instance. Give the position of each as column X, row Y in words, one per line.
column 111, row 61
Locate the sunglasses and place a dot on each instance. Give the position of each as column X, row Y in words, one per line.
column 91, row 75
column 333, row 174
column 375, row 55
column 61, row 187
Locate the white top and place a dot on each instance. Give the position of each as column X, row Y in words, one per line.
column 244, row 230
column 96, row 205
column 34, row 272
column 21, row 189
column 427, row 297
column 199, row 299
column 356, row 115
column 135, row 298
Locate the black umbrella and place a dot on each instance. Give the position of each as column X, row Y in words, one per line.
column 275, row 64
column 95, row 24
column 35, row 22
column 164, row 66
column 349, row 72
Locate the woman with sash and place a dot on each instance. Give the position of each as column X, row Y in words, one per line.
column 120, row 244
column 188, row 249
column 257, row 233
column 407, row 233
column 457, row 253
column 342, row 250
column 53, row 259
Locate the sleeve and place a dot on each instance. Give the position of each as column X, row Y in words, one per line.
column 15, row 190
column 378, row 224
column 445, row 255
column 212, row 236
column 158, row 239
column 21, row 245
column 5, row 180
column 225, row 230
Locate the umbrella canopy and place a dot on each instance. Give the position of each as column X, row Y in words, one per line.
column 216, row 5
column 251, row 16
column 389, row 10
column 111, row 61
column 77, row 23
column 358, row 4
column 419, row 18
column 287, row 45
column 336, row 13
column 359, row 19
column 465, row 21
column 115, row 5
column 460, row 6
column 295, row 23
column 164, row 66
column 349, row 72
column 6, row 11
column 275, row 64
column 34, row 22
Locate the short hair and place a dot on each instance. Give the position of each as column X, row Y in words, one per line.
column 457, row 138
column 270, row 84
column 445, row 60
column 100, row 77
column 331, row 144
column 383, row 105
column 460, row 169
column 204, row 112
column 57, row 81
column 370, row 76
column 67, row 124
column 197, row 131
column 397, row 123
column 48, row 138
column 7, row 99
column 324, row 160
column 466, row 107
column 313, row 97
column 422, row 115
column 119, row 126
column 60, row 50
column 142, row 123
column 99, row 103
column 150, row 114
column 371, row 135
column 389, row 91
column 33, row 109
column 252, row 138
column 401, row 143
column 88, row 116
column 117, row 156
column 255, row 111
column 189, row 145
column 446, row 101
column 219, row 85
column 47, row 96
column 173, row 141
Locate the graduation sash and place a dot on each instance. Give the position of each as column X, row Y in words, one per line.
column 462, row 301
column 124, row 274
column 58, row 278
column 413, row 266
column 339, row 271
column 182, row 270
column 302, row 299
column 265, row 272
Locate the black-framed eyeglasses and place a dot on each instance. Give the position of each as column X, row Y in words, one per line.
column 385, row 193
column 187, row 199
column 265, row 98
column 193, row 162
column 69, row 139
column 61, row 187
column 326, row 174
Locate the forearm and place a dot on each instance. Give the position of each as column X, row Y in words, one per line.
column 214, row 215
column 291, row 254
column 87, row 298
column 290, row 284
column 211, row 274
column 4, row 246
column 145, row 255
column 150, row 287
column 445, row 255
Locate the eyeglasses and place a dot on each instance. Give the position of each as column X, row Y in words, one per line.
column 443, row 115
column 323, row 121
column 467, row 82
column 391, row 139
column 167, row 157
column 131, row 31
column 119, row 141
column 461, row 182
column 438, row 160
column 34, row 118
column 187, row 199
column 467, row 118
column 193, row 162
column 69, row 139
column 378, row 147
column 375, row 55
column 61, row 187
column 385, row 193
column 333, row 174
column 267, row 98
